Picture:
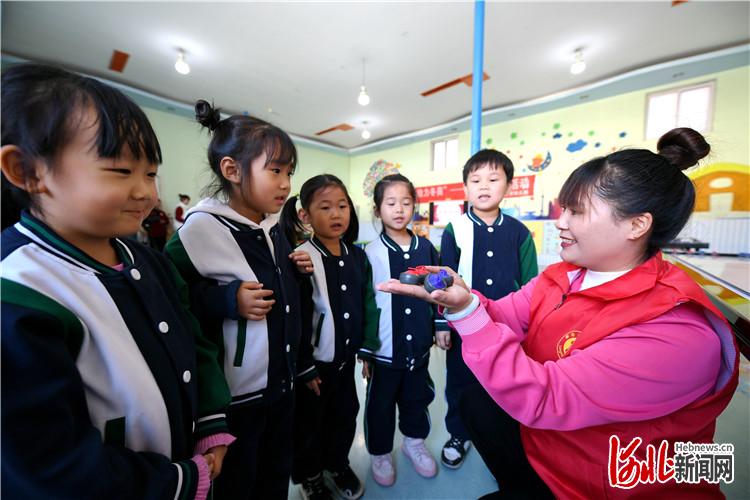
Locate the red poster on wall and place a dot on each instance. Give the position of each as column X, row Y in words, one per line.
column 521, row 186
column 440, row 192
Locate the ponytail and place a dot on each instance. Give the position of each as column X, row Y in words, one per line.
column 352, row 232
column 289, row 221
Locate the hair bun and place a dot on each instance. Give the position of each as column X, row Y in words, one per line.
column 207, row 115
column 683, row 147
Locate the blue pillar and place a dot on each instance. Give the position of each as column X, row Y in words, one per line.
column 478, row 79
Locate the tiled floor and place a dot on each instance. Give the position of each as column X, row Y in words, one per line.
column 473, row 479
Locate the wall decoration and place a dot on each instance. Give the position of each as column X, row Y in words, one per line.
column 521, row 186
column 576, row 146
column 539, row 163
column 440, row 192
column 377, row 171
column 721, row 188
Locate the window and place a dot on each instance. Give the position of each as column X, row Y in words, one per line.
column 683, row 107
column 445, row 153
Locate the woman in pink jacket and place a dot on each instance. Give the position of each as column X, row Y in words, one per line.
column 594, row 369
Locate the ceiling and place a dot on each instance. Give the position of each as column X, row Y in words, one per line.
column 299, row 65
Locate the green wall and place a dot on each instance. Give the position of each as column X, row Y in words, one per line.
column 185, row 167
column 602, row 121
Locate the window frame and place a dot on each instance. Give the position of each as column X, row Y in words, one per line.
column 711, row 84
column 432, row 151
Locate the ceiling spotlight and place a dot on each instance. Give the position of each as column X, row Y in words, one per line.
column 365, row 133
column 181, row 66
column 579, row 65
column 364, row 98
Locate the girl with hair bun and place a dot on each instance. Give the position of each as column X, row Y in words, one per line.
column 612, row 345
column 243, row 279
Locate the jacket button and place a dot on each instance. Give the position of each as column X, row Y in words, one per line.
column 163, row 327
column 341, row 263
column 343, row 288
column 135, row 273
column 408, row 337
column 411, row 368
column 288, row 348
column 406, row 256
column 287, row 308
column 490, row 253
column 407, row 311
column 489, row 281
column 186, row 376
column 490, row 229
column 346, row 315
column 347, row 341
column 259, row 237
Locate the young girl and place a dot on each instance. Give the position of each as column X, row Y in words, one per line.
column 398, row 369
column 244, row 287
column 612, row 351
column 341, row 318
column 108, row 389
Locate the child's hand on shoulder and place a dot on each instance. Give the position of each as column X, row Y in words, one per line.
column 252, row 300
column 443, row 339
column 314, row 385
column 302, row 260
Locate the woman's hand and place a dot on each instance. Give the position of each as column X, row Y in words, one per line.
column 453, row 299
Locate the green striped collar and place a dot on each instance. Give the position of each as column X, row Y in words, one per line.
column 56, row 242
column 474, row 218
column 388, row 241
column 315, row 242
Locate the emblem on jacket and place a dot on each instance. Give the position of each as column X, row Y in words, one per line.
column 566, row 342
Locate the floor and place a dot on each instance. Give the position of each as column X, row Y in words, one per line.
column 473, row 479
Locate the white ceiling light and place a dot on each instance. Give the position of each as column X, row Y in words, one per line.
column 579, row 65
column 181, row 66
column 365, row 132
column 363, row 98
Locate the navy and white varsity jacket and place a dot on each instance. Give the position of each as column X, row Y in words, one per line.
column 494, row 259
column 407, row 324
column 216, row 250
column 339, row 315
column 106, row 381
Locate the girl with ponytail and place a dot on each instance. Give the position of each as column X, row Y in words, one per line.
column 341, row 317
column 244, row 285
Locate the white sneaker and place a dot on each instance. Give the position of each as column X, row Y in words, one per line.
column 420, row 456
column 382, row 469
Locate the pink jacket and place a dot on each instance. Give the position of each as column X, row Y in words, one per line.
column 576, row 391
